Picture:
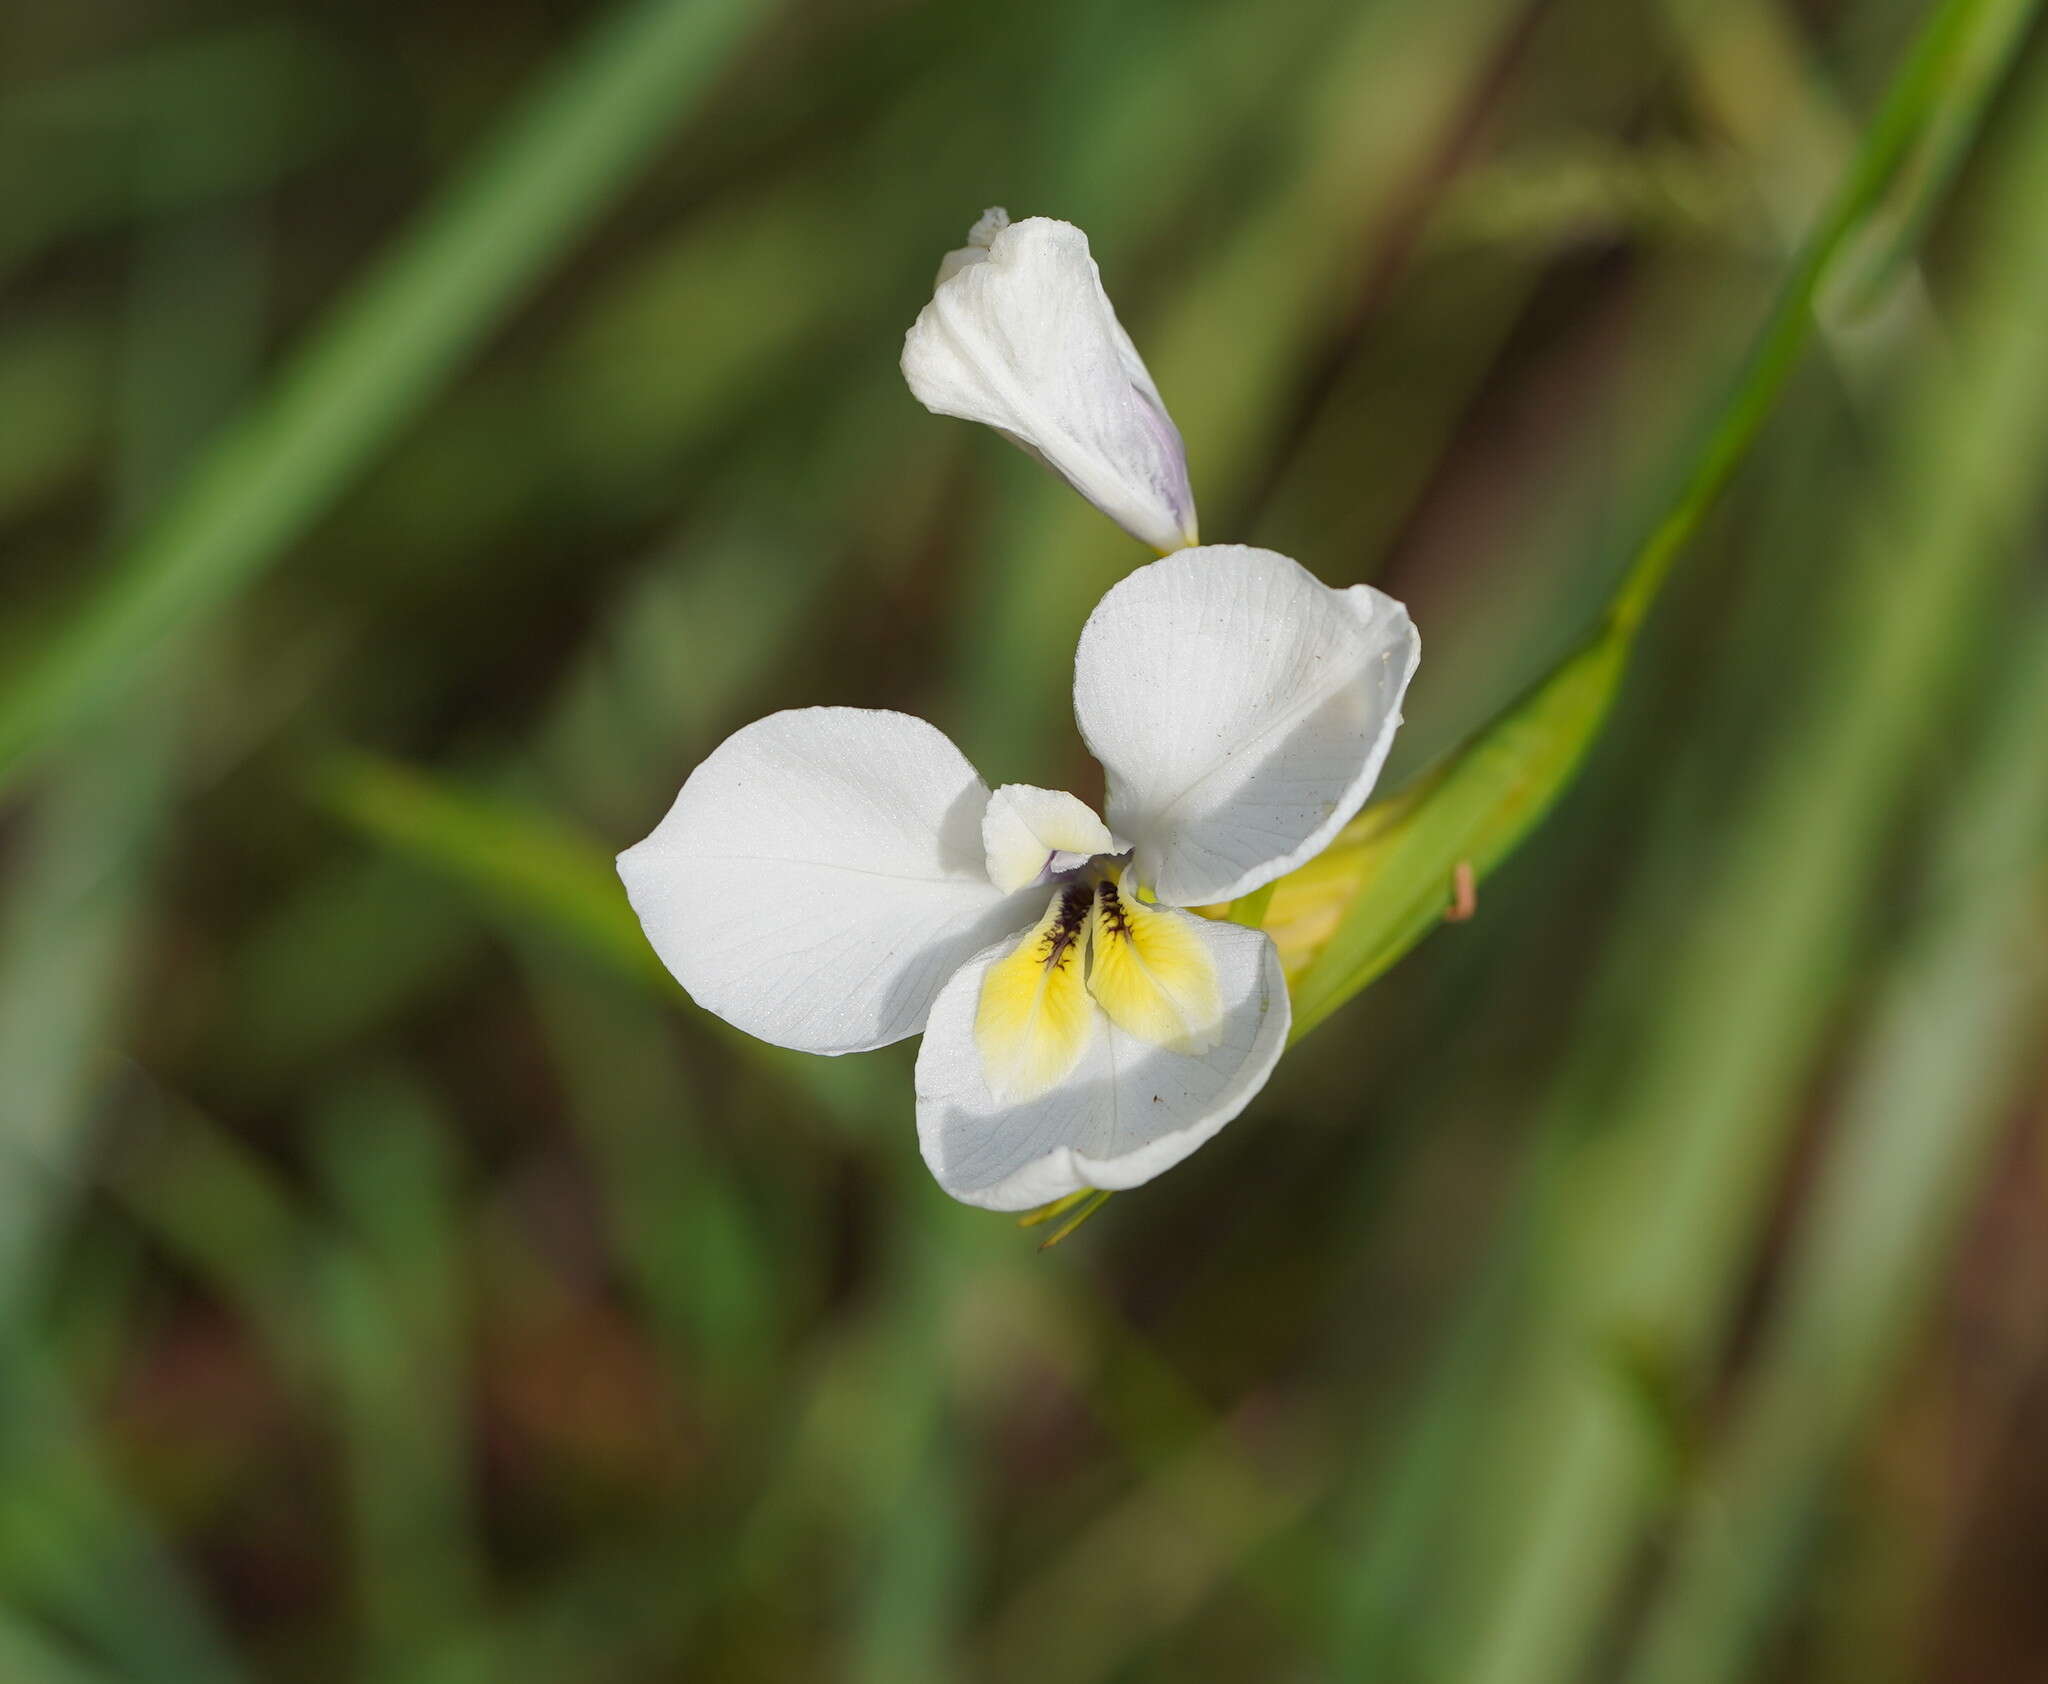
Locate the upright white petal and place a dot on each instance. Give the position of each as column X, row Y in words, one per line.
column 821, row 876
column 1242, row 710
column 1126, row 1113
column 1020, row 335
column 1030, row 834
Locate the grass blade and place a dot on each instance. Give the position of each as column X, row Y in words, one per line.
column 1927, row 1091
column 518, row 857
column 382, row 354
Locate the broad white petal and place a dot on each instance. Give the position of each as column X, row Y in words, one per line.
column 820, row 876
column 1019, row 335
column 1242, row 710
column 1126, row 1112
column 1031, row 833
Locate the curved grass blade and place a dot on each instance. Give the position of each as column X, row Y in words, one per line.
column 381, row 354
column 552, row 878
column 519, row 858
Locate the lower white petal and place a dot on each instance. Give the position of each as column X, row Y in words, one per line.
column 1242, row 710
column 820, row 876
column 1127, row 1112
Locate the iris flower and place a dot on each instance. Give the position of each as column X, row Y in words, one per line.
column 1019, row 335
column 836, row 879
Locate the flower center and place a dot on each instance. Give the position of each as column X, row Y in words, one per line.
column 1099, row 956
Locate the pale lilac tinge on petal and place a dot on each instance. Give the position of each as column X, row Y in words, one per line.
column 1022, row 338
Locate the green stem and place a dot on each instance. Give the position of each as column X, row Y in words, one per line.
column 1478, row 804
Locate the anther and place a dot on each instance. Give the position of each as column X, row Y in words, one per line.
column 1113, row 913
column 1067, row 926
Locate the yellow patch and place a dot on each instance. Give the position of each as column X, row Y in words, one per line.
column 1035, row 1019
column 1152, row 974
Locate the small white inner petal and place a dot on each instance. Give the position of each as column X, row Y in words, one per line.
column 991, row 223
column 987, row 226
column 1031, row 835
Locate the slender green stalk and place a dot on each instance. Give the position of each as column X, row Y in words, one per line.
column 382, row 354
column 1979, row 70
column 1919, row 96
column 66, row 943
column 387, row 1298
column 1478, row 805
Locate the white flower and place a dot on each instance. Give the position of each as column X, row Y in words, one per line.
column 835, row 879
column 1020, row 335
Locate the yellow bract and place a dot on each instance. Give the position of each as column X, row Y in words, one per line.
column 1151, row 973
column 1311, row 900
column 1035, row 1019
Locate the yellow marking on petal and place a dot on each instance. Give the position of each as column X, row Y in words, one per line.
column 1152, row 974
column 1035, row 1019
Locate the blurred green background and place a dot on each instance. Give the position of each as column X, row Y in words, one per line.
column 426, row 431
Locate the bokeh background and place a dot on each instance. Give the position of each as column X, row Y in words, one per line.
column 425, row 431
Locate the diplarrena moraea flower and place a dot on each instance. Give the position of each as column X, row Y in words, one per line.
column 835, row 879
column 1020, row 335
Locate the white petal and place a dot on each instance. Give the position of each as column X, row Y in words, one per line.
column 1031, row 833
column 1126, row 1113
column 1242, row 710
column 1023, row 338
column 820, row 876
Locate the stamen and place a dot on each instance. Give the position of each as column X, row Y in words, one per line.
column 1068, row 922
